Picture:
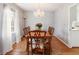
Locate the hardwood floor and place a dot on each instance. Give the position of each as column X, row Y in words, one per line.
column 58, row 48
column 19, row 49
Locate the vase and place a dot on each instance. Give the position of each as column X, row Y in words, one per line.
column 38, row 28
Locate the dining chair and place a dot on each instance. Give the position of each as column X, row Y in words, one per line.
column 39, row 41
column 26, row 30
column 38, row 33
column 50, row 30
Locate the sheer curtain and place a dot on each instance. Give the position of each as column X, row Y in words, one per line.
column 11, row 28
column 6, row 30
column 17, row 26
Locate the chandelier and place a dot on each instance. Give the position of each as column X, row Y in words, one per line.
column 39, row 13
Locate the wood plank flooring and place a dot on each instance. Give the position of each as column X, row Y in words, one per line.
column 58, row 48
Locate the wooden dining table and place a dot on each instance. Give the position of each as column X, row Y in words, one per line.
column 31, row 34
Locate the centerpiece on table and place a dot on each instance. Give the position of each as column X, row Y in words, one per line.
column 39, row 26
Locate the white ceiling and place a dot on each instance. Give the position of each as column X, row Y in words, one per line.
column 42, row 6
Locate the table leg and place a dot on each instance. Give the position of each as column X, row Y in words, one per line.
column 27, row 47
column 50, row 46
column 31, row 47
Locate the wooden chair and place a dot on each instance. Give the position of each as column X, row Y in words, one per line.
column 37, row 33
column 37, row 36
column 26, row 30
column 50, row 30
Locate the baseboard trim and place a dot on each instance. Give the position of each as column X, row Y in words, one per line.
column 75, row 46
column 63, row 42
column 4, row 53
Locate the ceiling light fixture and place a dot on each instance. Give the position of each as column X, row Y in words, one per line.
column 39, row 13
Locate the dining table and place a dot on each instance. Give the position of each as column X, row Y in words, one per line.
column 37, row 34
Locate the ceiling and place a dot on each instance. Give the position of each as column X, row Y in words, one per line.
column 42, row 6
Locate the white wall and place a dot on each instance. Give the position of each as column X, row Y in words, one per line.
column 47, row 20
column 61, row 24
